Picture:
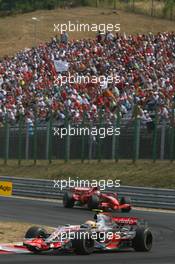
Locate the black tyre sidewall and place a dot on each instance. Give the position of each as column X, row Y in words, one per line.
column 79, row 245
column 93, row 202
column 68, row 201
column 35, row 231
column 140, row 242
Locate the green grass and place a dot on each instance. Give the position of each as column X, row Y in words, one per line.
column 143, row 173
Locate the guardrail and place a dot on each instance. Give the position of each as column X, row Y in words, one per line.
column 143, row 197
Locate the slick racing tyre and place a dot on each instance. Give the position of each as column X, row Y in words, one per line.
column 93, row 202
column 35, row 231
column 68, row 200
column 143, row 239
column 33, row 249
column 83, row 244
column 125, row 200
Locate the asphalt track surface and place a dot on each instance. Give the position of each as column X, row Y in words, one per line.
column 53, row 214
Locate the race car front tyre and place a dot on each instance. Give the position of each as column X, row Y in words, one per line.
column 35, row 231
column 33, row 249
column 93, row 202
column 83, row 244
column 125, row 200
column 143, row 239
column 68, row 200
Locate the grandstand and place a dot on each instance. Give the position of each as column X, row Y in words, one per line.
column 36, row 95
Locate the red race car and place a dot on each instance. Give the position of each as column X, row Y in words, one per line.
column 105, row 233
column 94, row 199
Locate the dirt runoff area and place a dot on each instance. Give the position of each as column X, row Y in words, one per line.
column 11, row 232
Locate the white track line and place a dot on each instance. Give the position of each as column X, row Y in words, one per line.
column 60, row 202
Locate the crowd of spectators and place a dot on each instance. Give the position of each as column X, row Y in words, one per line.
column 145, row 65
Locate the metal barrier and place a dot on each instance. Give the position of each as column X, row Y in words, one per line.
column 136, row 141
column 143, row 197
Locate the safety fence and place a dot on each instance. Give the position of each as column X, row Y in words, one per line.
column 140, row 196
column 137, row 140
column 153, row 8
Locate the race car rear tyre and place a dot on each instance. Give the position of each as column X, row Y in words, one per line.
column 83, row 244
column 35, row 231
column 143, row 239
column 93, row 202
column 68, row 200
column 125, row 200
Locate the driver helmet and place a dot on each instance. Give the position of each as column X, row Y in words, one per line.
column 91, row 223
